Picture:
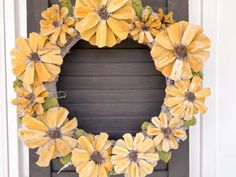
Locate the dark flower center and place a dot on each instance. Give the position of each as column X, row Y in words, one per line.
column 97, row 158
column 31, row 97
column 103, row 13
column 133, row 156
column 54, row 133
column 166, row 131
column 190, row 96
column 34, row 57
column 56, row 23
column 145, row 28
column 180, row 51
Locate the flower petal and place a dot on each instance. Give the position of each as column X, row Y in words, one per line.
column 46, row 154
column 62, row 147
column 101, row 34
column 32, row 123
column 180, row 134
column 147, row 168
column 202, row 93
column 139, row 138
column 145, row 145
column 100, row 141
column 174, row 33
column 89, row 22
column 172, row 101
column 165, row 145
column 164, row 40
column 121, row 165
column 85, row 143
column 115, row 5
column 69, row 126
column 62, row 115
column 190, row 33
column 119, row 28
column 29, row 74
column 128, row 140
column 79, row 156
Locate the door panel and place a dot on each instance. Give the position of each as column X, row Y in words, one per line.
column 112, row 90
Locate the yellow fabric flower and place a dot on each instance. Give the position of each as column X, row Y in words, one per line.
column 92, row 156
column 134, row 157
column 30, row 100
column 179, row 50
column 103, row 23
column 166, row 132
column 56, row 25
column 166, row 20
column 146, row 29
column 51, row 133
column 35, row 61
column 186, row 98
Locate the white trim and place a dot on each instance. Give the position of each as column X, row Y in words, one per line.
column 12, row 24
column 203, row 137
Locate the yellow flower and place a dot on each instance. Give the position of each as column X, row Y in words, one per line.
column 186, row 98
column 166, row 20
column 92, row 156
column 103, row 23
column 179, row 50
column 134, row 157
column 56, row 25
column 166, row 132
column 30, row 100
column 146, row 29
column 51, row 133
column 34, row 61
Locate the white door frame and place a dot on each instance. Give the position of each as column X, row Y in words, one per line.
column 14, row 156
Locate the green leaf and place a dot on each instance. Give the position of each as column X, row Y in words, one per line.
column 50, row 102
column 68, row 4
column 78, row 133
column 188, row 123
column 145, row 125
column 17, row 83
column 66, row 160
column 150, row 9
column 165, row 156
column 199, row 73
column 138, row 7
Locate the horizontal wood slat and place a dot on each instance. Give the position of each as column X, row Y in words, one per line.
column 111, row 82
column 112, row 96
column 113, row 109
column 111, row 69
column 110, row 55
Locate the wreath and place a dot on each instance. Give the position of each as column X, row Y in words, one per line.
column 178, row 50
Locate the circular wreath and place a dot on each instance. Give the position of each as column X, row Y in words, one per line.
column 178, row 50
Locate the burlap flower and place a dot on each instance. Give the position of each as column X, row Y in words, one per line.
column 134, row 157
column 51, row 133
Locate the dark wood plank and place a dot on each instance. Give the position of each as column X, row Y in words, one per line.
column 34, row 9
column 114, row 82
column 112, row 96
column 35, row 170
column 180, row 9
column 109, row 69
column 179, row 163
column 108, row 56
column 72, row 174
column 114, row 109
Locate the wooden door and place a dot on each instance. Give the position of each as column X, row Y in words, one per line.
column 112, row 90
